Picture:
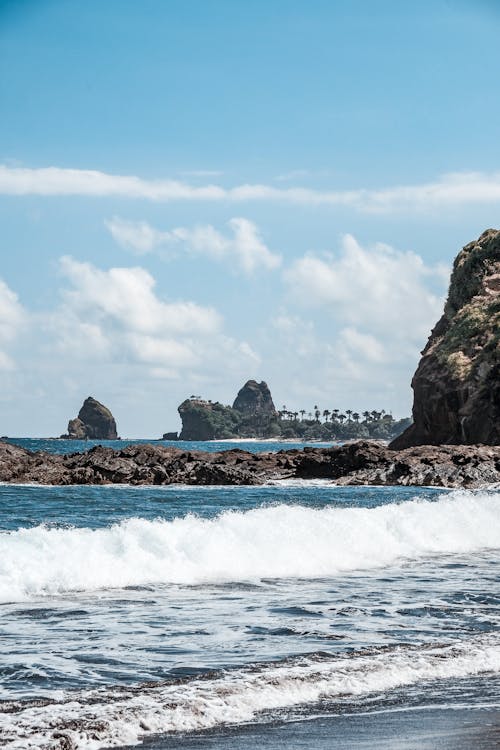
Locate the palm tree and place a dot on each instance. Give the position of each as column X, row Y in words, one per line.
column 366, row 415
column 335, row 415
column 302, row 412
column 348, row 412
column 355, row 416
column 341, row 418
column 317, row 413
column 326, row 414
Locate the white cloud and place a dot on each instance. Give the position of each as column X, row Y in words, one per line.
column 243, row 248
column 361, row 345
column 378, row 290
column 126, row 296
column 115, row 316
column 455, row 189
column 12, row 318
column 138, row 236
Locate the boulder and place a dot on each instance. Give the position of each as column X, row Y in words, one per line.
column 457, row 383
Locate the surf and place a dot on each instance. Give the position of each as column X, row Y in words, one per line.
column 282, row 541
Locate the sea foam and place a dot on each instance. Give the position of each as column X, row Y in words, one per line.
column 283, row 541
column 111, row 717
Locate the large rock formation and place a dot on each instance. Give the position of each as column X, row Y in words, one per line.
column 354, row 464
column 251, row 415
column 457, row 382
column 94, row 422
column 254, row 399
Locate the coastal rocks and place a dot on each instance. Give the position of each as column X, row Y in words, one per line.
column 94, row 422
column 358, row 463
column 457, row 382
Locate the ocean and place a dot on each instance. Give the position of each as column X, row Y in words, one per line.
column 297, row 615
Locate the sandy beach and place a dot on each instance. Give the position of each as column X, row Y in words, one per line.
column 423, row 729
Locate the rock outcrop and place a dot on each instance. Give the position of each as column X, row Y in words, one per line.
column 207, row 420
column 457, row 382
column 94, row 422
column 255, row 399
column 358, row 463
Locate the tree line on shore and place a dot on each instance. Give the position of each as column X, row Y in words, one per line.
column 328, row 424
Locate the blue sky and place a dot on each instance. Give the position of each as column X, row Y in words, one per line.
column 195, row 193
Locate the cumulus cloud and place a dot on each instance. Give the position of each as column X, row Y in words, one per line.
column 12, row 318
column 361, row 345
column 455, row 189
column 116, row 316
column 243, row 248
column 379, row 290
column 126, row 296
column 138, row 236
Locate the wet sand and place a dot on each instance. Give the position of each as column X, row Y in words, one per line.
column 423, row 729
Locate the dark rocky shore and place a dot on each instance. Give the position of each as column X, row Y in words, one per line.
column 358, row 463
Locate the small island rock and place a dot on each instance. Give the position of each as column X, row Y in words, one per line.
column 94, row 422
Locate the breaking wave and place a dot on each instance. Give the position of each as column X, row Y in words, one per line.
column 284, row 541
column 111, row 717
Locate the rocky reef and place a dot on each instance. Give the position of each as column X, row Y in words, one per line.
column 457, row 382
column 94, row 422
column 358, row 463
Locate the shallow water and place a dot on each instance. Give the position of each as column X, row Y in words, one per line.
column 129, row 612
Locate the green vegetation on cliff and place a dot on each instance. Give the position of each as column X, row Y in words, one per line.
column 457, row 382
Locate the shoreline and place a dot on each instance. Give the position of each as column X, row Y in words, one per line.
column 425, row 728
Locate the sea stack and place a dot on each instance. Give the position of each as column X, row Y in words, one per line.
column 457, row 382
column 94, row 422
column 254, row 399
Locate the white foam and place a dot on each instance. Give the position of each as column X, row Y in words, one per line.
column 112, row 717
column 284, row 541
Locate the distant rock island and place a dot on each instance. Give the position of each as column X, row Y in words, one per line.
column 94, row 422
column 457, row 382
column 254, row 415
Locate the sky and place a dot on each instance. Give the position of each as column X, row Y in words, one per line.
column 194, row 193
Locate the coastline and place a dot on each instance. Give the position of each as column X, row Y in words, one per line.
column 428, row 728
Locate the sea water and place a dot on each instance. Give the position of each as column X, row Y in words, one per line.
column 128, row 612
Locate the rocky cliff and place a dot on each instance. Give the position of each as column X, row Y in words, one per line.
column 207, row 420
column 457, row 382
column 94, row 421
